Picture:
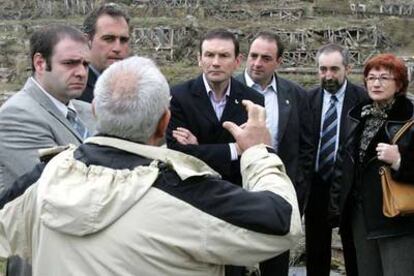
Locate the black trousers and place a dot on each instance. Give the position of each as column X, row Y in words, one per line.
column 319, row 234
column 277, row 266
column 17, row 266
column 231, row 270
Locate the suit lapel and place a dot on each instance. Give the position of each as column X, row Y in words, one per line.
column 34, row 91
column 202, row 101
column 92, row 78
column 232, row 108
column 284, row 103
column 350, row 100
column 317, row 110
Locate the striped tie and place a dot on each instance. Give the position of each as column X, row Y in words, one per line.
column 328, row 141
column 77, row 123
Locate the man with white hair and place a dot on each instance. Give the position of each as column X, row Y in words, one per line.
column 120, row 205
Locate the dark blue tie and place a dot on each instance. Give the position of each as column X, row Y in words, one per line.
column 328, row 141
column 77, row 123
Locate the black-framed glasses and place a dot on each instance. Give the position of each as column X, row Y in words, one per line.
column 383, row 80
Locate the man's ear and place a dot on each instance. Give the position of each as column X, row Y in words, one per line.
column 239, row 59
column 279, row 61
column 162, row 124
column 39, row 63
column 89, row 39
column 199, row 59
column 348, row 69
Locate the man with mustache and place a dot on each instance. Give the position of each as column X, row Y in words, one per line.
column 44, row 113
column 330, row 104
column 107, row 29
column 201, row 105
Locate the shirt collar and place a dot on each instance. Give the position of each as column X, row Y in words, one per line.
column 59, row 105
column 340, row 94
column 250, row 82
column 208, row 88
column 95, row 71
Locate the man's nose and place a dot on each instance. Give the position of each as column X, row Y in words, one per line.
column 216, row 61
column 116, row 47
column 257, row 62
column 82, row 71
column 329, row 74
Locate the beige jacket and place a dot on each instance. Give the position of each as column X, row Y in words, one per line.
column 79, row 220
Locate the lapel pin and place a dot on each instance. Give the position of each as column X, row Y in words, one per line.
column 287, row 101
column 236, row 101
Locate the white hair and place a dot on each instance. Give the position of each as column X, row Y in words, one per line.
column 130, row 97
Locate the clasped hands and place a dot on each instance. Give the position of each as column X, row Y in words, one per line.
column 249, row 134
column 389, row 154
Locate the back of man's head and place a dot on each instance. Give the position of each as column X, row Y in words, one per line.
column 43, row 41
column 111, row 9
column 131, row 96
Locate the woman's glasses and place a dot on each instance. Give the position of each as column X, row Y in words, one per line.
column 383, row 80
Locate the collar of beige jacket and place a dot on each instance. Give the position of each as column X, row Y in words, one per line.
column 183, row 164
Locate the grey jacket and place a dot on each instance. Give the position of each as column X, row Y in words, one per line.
column 30, row 121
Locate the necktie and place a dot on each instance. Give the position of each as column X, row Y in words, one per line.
column 77, row 123
column 328, row 141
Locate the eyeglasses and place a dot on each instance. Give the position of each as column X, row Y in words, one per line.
column 383, row 80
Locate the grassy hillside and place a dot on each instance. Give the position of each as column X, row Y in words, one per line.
column 18, row 19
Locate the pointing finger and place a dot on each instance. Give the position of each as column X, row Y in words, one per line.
column 255, row 112
column 232, row 128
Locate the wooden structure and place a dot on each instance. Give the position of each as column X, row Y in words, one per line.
column 386, row 9
column 397, row 9
column 168, row 44
column 159, row 40
column 287, row 14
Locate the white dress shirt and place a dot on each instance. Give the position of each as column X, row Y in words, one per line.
column 271, row 106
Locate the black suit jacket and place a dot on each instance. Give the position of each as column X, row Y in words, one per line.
column 295, row 146
column 191, row 108
column 353, row 96
column 87, row 95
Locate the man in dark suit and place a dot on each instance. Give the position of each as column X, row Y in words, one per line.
column 107, row 29
column 330, row 104
column 287, row 112
column 200, row 106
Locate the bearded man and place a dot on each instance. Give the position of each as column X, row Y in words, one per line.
column 330, row 104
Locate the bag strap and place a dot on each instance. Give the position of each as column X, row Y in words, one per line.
column 401, row 131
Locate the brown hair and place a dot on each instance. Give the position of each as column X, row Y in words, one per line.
column 111, row 9
column 392, row 63
column 220, row 34
column 43, row 41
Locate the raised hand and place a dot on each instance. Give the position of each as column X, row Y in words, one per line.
column 254, row 131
